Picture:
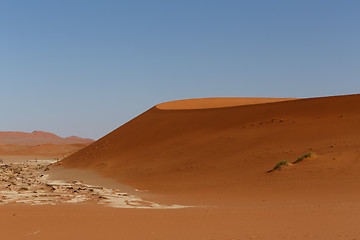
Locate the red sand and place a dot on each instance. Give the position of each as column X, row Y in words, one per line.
column 259, row 220
column 203, row 103
column 43, row 151
column 39, row 137
column 217, row 158
column 38, row 144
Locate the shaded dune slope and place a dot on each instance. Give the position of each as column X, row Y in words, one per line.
column 218, row 152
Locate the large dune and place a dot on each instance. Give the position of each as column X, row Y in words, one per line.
column 222, row 154
column 216, row 157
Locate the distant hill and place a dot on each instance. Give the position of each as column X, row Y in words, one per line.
column 39, row 137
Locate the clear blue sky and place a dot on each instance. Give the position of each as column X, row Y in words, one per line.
column 86, row 67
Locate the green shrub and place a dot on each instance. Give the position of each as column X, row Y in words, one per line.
column 279, row 165
column 307, row 155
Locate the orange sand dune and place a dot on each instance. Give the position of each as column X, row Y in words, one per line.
column 39, row 137
column 220, row 155
column 38, row 144
column 217, row 159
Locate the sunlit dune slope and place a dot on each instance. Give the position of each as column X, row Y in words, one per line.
column 203, row 103
column 218, row 152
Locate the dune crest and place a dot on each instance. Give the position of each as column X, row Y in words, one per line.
column 220, row 102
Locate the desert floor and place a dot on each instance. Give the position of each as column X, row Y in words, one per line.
column 66, row 208
column 251, row 220
column 185, row 171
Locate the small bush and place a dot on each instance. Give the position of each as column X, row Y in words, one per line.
column 307, row 155
column 279, row 165
column 23, row 188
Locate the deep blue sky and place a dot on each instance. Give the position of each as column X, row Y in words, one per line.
column 86, row 67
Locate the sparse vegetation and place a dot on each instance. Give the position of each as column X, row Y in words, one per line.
column 284, row 163
column 307, row 155
column 23, row 189
column 279, row 165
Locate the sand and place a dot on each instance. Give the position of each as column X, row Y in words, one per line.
column 223, row 153
column 332, row 220
column 215, row 156
column 39, row 137
column 22, row 146
column 10, row 152
column 208, row 103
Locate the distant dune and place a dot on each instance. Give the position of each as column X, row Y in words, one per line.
column 39, row 137
column 38, row 151
column 222, row 151
column 38, row 144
